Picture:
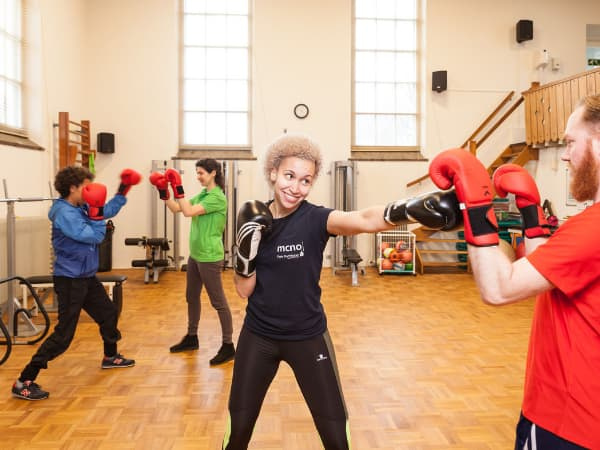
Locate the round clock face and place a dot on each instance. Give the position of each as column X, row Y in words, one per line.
column 301, row 111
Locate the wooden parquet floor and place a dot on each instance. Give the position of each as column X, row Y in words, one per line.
column 424, row 365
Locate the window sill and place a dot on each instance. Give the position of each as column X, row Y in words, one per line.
column 387, row 155
column 215, row 154
column 12, row 140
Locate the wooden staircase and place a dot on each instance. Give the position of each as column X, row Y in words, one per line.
column 519, row 154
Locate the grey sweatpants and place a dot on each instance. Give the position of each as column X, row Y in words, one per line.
column 207, row 274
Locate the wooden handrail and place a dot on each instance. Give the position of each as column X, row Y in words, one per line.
column 548, row 107
column 536, row 86
column 502, row 119
column 471, row 144
column 417, row 181
column 489, row 118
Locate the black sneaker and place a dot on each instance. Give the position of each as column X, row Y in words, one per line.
column 116, row 361
column 28, row 390
column 225, row 353
column 189, row 342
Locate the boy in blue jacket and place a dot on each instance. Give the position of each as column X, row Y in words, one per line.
column 78, row 226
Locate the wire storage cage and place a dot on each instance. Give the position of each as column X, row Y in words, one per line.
column 396, row 252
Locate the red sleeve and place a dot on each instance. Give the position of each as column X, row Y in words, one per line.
column 570, row 259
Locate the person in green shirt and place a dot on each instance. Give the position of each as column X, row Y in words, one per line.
column 208, row 211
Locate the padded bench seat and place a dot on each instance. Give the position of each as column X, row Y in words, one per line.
column 351, row 255
column 113, row 282
column 353, row 258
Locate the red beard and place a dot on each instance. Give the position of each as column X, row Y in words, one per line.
column 584, row 178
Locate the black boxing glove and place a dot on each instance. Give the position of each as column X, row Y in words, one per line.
column 436, row 210
column 254, row 218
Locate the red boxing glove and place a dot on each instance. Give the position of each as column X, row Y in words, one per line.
column 161, row 183
column 94, row 195
column 459, row 168
column 129, row 177
column 175, row 180
column 513, row 179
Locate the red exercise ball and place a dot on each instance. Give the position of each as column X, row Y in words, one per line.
column 406, row 256
column 395, row 257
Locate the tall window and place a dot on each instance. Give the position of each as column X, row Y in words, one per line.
column 11, row 84
column 385, row 74
column 215, row 89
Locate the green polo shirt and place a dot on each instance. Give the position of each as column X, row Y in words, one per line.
column 206, row 233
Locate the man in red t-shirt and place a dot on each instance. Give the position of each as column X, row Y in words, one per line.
column 561, row 404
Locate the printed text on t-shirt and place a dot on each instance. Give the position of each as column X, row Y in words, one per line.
column 290, row 251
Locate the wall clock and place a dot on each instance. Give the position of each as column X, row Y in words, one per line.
column 301, row 111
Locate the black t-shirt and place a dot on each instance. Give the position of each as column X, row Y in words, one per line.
column 286, row 302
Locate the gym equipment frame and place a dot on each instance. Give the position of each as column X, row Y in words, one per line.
column 11, row 335
column 345, row 256
column 13, row 304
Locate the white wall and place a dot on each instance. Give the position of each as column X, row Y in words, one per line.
column 116, row 63
column 135, row 90
column 131, row 70
column 53, row 82
column 475, row 42
column 55, row 46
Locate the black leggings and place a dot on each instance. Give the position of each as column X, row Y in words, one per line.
column 313, row 361
column 75, row 294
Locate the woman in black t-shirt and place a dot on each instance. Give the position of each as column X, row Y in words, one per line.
column 278, row 266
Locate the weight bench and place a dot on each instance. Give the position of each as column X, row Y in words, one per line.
column 352, row 258
column 156, row 260
column 44, row 283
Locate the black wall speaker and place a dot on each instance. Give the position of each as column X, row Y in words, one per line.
column 524, row 30
column 106, row 143
column 439, row 81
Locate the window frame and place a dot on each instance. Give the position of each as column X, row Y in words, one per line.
column 384, row 151
column 12, row 136
column 219, row 151
column 7, row 132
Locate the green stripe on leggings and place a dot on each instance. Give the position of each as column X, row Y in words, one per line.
column 227, row 432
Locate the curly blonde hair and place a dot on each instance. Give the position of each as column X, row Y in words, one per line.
column 292, row 145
